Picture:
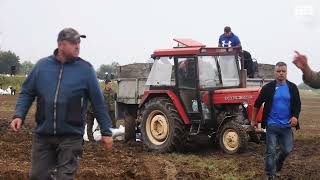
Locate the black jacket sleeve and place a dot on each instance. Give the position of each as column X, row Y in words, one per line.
column 296, row 106
column 261, row 98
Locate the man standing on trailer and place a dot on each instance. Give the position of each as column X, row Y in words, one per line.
column 228, row 39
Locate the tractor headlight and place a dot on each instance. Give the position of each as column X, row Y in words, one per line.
column 245, row 104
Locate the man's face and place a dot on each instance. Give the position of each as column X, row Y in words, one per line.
column 108, row 85
column 280, row 73
column 227, row 34
column 70, row 49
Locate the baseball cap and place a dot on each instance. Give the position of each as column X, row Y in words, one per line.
column 227, row 29
column 70, row 34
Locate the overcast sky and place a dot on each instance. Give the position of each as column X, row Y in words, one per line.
column 128, row 31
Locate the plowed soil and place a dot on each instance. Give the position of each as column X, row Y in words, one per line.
column 203, row 161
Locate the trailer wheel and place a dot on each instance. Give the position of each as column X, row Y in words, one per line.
column 162, row 129
column 233, row 138
column 130, row 127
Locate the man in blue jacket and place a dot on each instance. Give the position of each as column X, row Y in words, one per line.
column 281, row 111
column 228, row 39
column 62, row 84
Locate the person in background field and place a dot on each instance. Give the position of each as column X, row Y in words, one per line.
column 62, row 83
column 309, row 77
column 109, row 98
column 228, row 39
column 281, row 111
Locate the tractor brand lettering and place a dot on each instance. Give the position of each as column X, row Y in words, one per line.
column 237, row 97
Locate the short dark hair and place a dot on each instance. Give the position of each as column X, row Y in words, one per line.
column 227, row 29
column 281, row 63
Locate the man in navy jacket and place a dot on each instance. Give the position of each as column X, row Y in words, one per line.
column 62, row 84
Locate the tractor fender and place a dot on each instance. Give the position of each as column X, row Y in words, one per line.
column 248, row 128
column 225, row 120
column 174, row 98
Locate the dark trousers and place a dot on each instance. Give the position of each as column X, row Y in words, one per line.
column 113, row 119
column 90, row 121
column 55, row 157
column 275, row 157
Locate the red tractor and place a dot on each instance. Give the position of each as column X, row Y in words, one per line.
column 191, row 89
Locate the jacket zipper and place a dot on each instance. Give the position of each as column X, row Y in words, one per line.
column 81, row 103
column 55, row 101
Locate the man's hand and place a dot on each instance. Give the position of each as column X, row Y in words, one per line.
column 106, row 142
column 254, row 123
column 293, row 121
column 300, row 61
column 16, row 124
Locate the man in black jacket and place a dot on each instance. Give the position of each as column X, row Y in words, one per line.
column 282, row 107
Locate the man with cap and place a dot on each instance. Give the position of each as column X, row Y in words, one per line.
column 62, row 84
column 228, row 39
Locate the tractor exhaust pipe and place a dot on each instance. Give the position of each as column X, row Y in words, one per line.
column 243, row 78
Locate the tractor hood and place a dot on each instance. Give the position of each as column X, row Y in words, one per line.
column 237, row 95
column 237, row 90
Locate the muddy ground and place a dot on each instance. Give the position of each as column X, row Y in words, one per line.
column 131, row 161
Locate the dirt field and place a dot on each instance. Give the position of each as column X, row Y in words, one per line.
column 131, row 161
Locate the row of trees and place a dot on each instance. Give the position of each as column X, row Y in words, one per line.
column 9, row 61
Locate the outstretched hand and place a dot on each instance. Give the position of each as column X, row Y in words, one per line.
column 300, row 60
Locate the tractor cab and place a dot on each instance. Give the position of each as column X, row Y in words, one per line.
column 196, row 67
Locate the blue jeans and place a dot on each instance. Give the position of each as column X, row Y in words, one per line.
column 276, row 156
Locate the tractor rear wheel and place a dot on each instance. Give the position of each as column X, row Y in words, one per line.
column 162, row 129
column 233, row 138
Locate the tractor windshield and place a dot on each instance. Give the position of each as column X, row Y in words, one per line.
column 218, row 71
column 161, row 72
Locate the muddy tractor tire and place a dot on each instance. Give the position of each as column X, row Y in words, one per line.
column 254, row 137
column 233, row 138
column 130, row 127
column 162, row 129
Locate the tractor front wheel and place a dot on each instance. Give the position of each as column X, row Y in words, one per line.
column 233, row 138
